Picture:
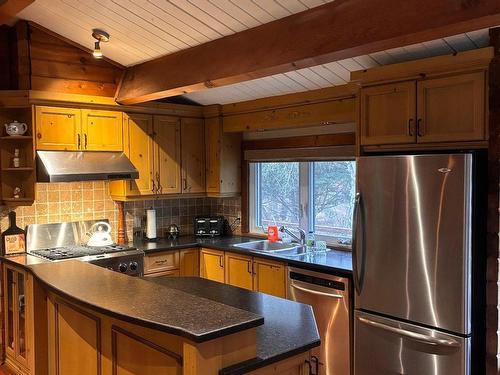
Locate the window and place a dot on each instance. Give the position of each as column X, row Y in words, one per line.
column 314, row 196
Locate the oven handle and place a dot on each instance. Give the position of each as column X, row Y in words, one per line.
column 409, row 334
column 317, row 292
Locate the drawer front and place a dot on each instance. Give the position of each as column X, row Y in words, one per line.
column 161, row 262
column 171, row 273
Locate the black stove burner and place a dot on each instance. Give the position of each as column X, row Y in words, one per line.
column 69, row 252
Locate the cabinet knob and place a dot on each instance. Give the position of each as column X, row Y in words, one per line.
column 39, row 135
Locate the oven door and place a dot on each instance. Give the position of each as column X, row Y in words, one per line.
column 386, row 346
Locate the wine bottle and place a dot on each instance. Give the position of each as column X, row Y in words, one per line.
column 14, row 238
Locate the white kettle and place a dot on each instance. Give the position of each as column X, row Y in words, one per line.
column 100, row 234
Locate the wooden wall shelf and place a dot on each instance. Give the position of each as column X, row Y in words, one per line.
column 23, row 177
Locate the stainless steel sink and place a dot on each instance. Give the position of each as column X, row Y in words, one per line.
column 265, row 245
column 294, row 252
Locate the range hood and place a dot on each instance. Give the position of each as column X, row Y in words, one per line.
column 68, row 166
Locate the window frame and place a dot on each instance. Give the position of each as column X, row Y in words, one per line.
column 306, row 195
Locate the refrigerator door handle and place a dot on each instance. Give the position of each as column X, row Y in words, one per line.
column 356, row 228
column 409, row 334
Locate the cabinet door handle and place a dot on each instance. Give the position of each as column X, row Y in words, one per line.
column 160, row 188
column 249, row 267
column 79, row 141
column 85, row 138
column 420, row 126
column 153, row 189
column 410, row 127
column 184, row 184
column 221, row 261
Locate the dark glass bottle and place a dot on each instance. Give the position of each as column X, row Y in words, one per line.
column 14, row 238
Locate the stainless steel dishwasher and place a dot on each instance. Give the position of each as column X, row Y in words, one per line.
column 329, row 297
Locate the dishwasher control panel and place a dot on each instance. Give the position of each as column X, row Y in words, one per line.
column 317, row 281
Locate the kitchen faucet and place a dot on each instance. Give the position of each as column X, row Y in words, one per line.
column 301, row 240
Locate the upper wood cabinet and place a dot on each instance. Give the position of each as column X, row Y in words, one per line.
column 58, row 128
column 427, row 111
column 193, row 155
column 153, row 145
column 452, row 108
column 388, row 114
column 102, row 130
column 78, row 129
column 167, row 137
column 140, row 150
column 223, row 159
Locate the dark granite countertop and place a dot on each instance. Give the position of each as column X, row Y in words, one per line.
column 153, row 305
column 334, row 261
column 289, row 327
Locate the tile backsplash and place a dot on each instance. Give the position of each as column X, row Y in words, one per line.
column 73, row 201
column 183, row 211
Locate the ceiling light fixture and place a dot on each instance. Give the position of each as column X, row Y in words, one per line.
column 100, row 36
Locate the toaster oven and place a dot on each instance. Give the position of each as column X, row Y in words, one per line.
column 209, row 226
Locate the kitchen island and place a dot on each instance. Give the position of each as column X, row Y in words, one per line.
column 96, row 321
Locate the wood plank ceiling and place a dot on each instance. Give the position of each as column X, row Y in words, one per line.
column 142, row 30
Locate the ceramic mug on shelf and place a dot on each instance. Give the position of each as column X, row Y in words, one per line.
column 16, row 128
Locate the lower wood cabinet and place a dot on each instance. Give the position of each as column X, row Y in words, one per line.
column 254, row 273
column 239, row 270
column 189, row 262
column 212, row 265
column 172, row 263
column 18, row 334
column 269, row 277
column 161, row 262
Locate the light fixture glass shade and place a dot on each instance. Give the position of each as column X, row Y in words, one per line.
column 97, row 51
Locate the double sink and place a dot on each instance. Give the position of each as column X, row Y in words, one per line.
column 265, row 246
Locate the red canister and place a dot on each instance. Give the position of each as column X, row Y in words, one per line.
column 272, row 233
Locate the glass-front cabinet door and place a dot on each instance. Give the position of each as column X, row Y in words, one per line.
column 15, row 317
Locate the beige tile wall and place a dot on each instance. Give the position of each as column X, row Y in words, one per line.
column 69, row 201
column 59, row 202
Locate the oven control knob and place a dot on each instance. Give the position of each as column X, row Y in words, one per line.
column 133, row 266
column 122, row 267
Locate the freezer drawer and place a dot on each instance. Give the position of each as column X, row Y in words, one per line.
column 412, row 240
column 385, row 346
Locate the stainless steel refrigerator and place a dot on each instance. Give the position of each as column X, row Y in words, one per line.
column 412, row 265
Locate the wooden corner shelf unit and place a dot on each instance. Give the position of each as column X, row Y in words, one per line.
column 23, row 177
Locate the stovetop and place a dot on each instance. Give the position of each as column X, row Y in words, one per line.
column 69, row 252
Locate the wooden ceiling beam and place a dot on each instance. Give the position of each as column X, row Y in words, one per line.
column 9, row 10
column 334, row 31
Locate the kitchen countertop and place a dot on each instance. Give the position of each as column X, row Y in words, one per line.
column 289, row 327
column 334, row 261
column 191, row 316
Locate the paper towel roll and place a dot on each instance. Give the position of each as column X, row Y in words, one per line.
column 151, row 224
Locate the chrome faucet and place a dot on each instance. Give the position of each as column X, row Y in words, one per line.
column 301, row 240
